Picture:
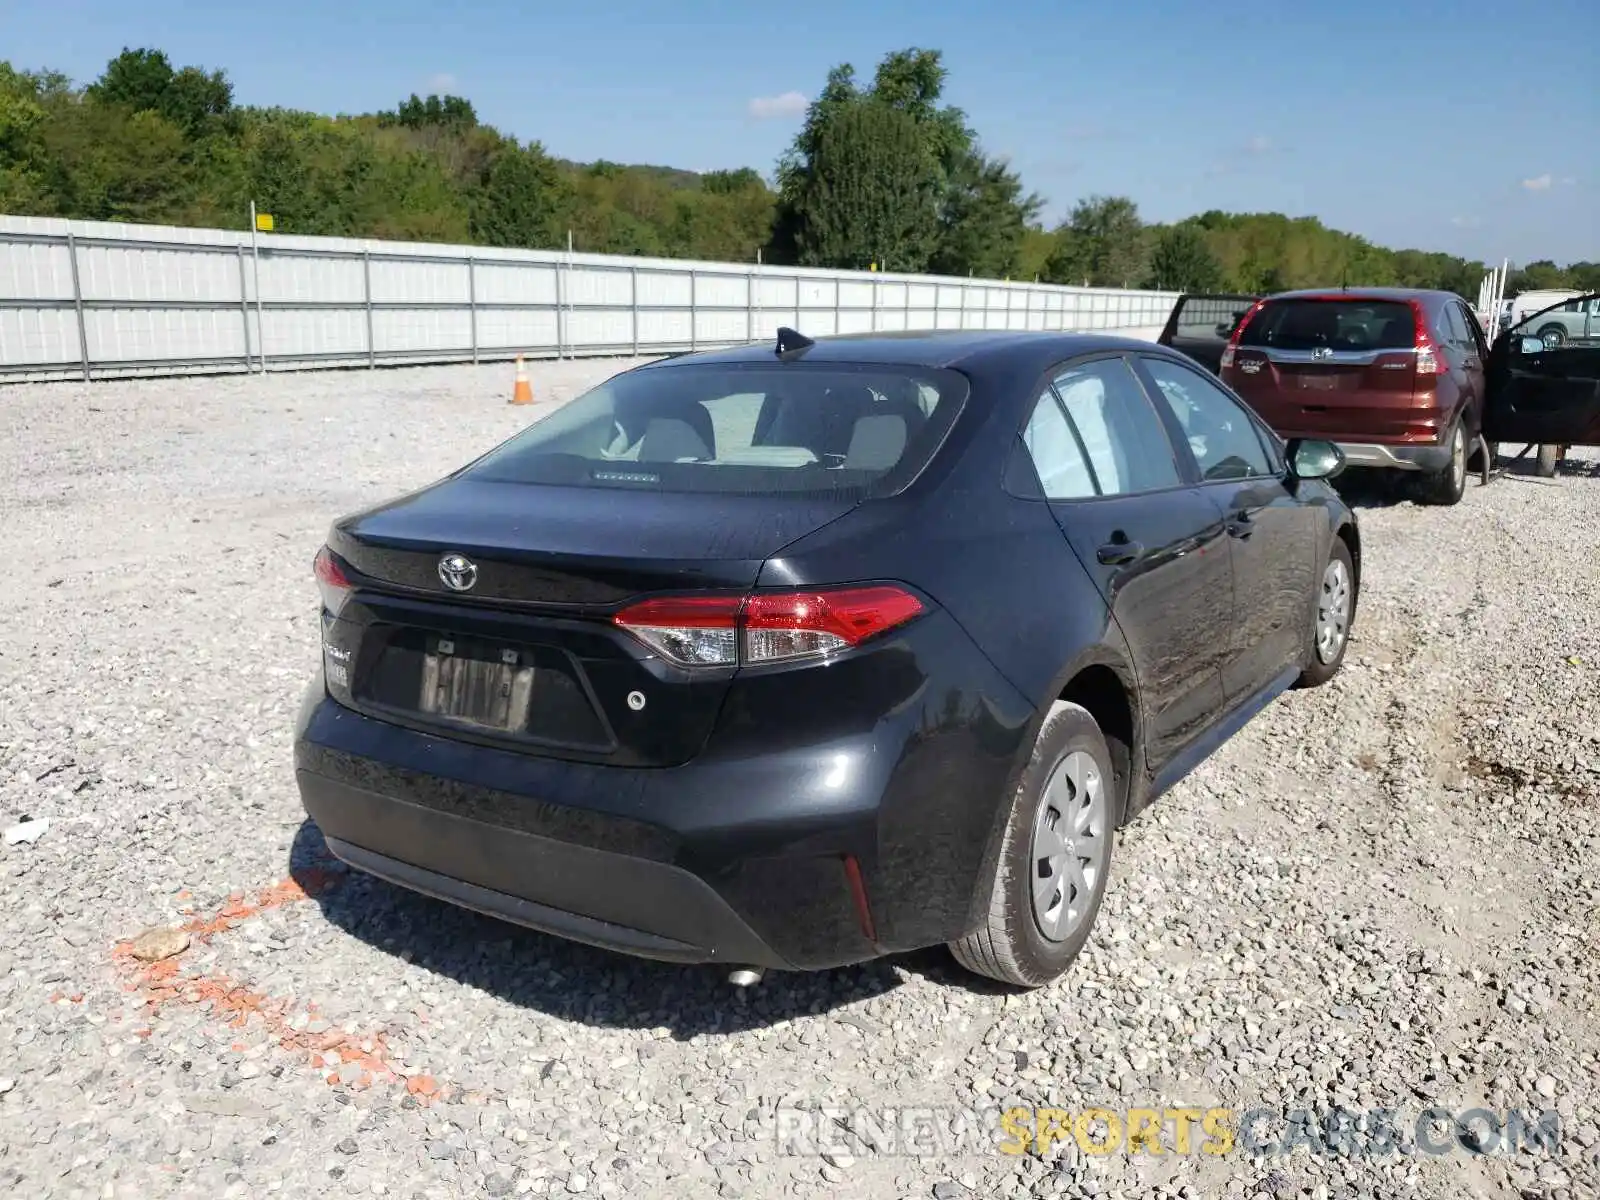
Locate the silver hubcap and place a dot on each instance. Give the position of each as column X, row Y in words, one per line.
column 1333, row 611
column 1458, row 458
column 1069, row 846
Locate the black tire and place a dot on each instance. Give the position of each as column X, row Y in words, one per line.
column 1548, row 458
column 1320, row 667
column 1448, row 484
column 1009, row 945
column 1553, row 337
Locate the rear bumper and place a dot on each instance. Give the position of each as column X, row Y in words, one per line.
column 658, row 911
column 1396, row 457
column 788, row 842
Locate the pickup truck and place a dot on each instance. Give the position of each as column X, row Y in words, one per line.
column 1201, row 324
column 1574, row 321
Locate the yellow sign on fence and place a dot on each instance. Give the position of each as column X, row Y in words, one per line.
column 264, row 222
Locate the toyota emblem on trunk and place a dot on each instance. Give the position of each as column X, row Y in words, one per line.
column 458, row 572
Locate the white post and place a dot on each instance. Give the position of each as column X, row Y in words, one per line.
column 255, row 272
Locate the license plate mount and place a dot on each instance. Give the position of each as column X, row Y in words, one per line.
column 479, row 686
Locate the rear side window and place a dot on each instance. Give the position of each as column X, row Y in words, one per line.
column 1221, row 436
column 1336, row 324
column 1094, row 433
column 756, row 429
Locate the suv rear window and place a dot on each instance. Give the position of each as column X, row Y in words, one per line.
column 750, row 429
column 1338, row 324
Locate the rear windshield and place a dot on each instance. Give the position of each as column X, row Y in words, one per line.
column 751, row 429
column 1337, row 324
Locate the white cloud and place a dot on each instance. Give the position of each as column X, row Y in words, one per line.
column 1466, row 222
column 1539, row 183
column 1258, row 145
column 788, row 104
column 442, row 82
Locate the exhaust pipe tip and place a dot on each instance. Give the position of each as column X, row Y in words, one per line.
column 743, row 977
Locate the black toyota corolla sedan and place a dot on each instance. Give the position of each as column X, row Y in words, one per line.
column 792, row 656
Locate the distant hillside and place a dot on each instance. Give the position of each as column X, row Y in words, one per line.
column 881, row 173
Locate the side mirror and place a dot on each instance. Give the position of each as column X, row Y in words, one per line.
column 1530, row 345
column 1310, row 458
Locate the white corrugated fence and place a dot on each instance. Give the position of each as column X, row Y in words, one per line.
column 85, row 299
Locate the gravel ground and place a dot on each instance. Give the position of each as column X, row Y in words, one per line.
column 1382, row 894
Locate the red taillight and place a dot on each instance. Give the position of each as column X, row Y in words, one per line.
column 704, row 631
column 331, row 581
column 1429, row 360
column 1229, row 350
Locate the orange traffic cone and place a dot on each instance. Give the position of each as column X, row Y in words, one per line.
column 522, row 392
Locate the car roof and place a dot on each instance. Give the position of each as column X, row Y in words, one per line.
column 1364, row 293
column 928, row 348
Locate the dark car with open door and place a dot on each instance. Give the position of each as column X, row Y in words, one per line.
column 1201, row 323
column 1544, row 391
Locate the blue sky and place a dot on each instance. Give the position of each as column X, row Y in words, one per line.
column 1472, row 127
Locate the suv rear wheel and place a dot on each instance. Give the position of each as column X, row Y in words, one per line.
column 1448, row 484
column 1055, row 855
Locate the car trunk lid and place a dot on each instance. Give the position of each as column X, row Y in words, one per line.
column 526, row 654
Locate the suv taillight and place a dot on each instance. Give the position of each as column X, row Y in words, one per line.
column 763, row 627
column 1429, row 360
column 1238, row 332
column 331, row 581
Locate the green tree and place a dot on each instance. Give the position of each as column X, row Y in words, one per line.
column 523, row 200
column 970, row 212
column 984, row 220
column 447, row 112
column 871, row 192
column 1102, row 244
column 144, row 81
column 1183, row 261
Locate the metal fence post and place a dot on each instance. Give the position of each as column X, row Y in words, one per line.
column 874, row 306
column 472, row 304
column 561, row 316
column 963, row 324
column 750, row 305
column 633, row 305
column 244, row 307
column 694, row 310
column 907, row 318
column 77, row 303
column 366, row 287
column 838, row 311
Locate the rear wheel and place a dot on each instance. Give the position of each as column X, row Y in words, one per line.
column 1055, row 856
column 1553, row 337
column 1448, row 484
column 1335, row 610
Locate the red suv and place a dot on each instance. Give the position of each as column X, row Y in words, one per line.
column 1394, row 376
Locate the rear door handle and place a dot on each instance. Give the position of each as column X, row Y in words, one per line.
column 1115, row 552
